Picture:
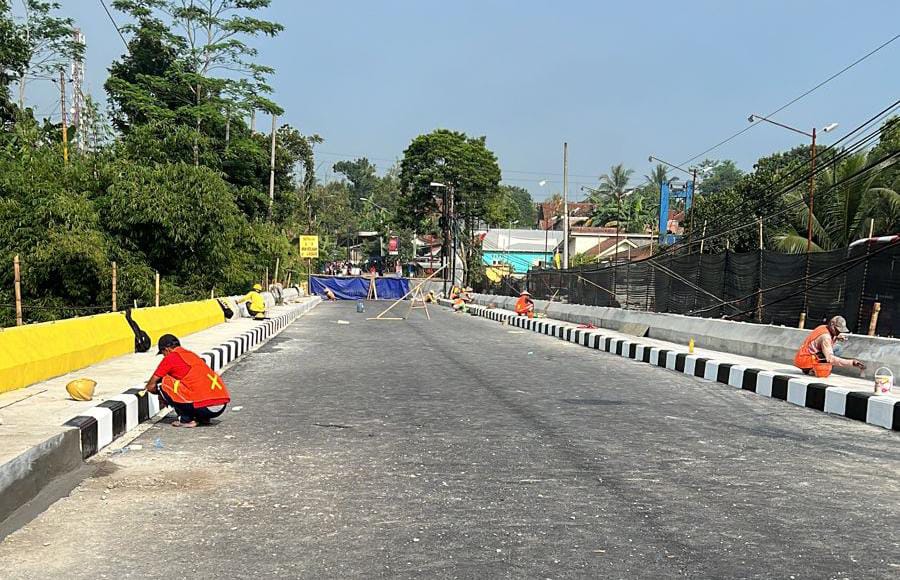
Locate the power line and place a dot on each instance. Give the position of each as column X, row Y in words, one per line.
column 795, row 99
column 113, row 20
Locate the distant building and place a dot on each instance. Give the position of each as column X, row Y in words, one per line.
column 519, row 250
column 600, row 243
column 550, row 214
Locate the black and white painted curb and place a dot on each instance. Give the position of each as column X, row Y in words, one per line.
column 874, row 409
column 103, row 424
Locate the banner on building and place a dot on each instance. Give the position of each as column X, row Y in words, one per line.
column 393, row 246
column 309, row 246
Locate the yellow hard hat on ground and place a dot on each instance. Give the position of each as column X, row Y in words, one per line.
column 81, row 389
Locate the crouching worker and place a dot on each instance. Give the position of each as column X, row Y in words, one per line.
column 816, row 355
column 187, row 384
column 256, row 306
column 525, row 305
column 462, row 300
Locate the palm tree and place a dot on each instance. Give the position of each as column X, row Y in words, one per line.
column 612, row 188
column 841, row 212
column 658, row 176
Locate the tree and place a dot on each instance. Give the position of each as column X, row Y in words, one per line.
column 753, row 195
column 206, row 38
column 13, row 61
column 842, row 210
column 718, row 176
column 457, row 161
column 363, row 179
column 50, row 41
column 451, row 158
column 658, row 175
column 612, row 189
column 522, row 198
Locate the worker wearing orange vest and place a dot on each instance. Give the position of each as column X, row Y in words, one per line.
column 187, row 384
column 816, row 354
column 525, row 305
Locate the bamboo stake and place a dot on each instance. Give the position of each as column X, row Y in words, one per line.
column 157, row 288
column 277, row 264
column 17, row 278
column 873, row 322
column 114, row 280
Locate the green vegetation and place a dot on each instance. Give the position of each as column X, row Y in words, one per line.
column 181, row 188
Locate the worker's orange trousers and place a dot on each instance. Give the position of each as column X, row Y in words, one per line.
column 806, row 362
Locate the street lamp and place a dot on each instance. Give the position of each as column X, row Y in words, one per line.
column 754, row 118
column 447, row 210
column 509, row 242
column 380, row 241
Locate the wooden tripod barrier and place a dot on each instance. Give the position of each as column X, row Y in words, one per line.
column 402, row 298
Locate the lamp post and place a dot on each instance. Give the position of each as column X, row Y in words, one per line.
column 509, row 243
column 812, row 175
column 447, row 210
column 380, row 241
column 542, row 183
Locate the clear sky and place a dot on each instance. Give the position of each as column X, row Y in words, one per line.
column 617, row 80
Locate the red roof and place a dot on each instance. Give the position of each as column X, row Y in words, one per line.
column 547, row 210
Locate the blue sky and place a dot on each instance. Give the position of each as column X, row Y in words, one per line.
column 618, row 81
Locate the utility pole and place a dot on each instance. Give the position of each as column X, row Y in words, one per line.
column 690, row 207
column 78, row 93
column 812, row 191
column 446, row 242
column 272, row 168
column 62, row 108
column 565, row 206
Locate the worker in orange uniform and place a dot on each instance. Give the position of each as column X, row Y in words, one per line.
column 187, row 384
column 525, row 305
column 816, row 355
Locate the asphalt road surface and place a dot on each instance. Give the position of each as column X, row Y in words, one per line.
column 459, row 448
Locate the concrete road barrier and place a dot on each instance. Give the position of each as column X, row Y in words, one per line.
column 103, row 424
column 762, row 341
column 878, row 410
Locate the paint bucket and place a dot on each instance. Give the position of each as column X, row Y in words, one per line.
column 884, row 381
column 360, row 307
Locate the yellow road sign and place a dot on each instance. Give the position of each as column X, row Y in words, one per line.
column 309, row 246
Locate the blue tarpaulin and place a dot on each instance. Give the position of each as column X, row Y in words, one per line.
column 357, row 287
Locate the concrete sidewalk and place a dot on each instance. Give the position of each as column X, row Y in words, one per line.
column 840, row 395
column 44, row 433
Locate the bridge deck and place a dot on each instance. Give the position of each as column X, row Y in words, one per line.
column 462, row 448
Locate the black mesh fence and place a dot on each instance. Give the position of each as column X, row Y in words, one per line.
column 760, row 286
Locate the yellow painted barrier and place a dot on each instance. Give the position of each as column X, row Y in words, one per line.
column 178, row 319
column 36, row 352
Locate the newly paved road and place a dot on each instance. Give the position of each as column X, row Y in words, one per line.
column 459, row 448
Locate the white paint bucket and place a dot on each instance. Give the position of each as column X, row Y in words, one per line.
column 884, row 381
